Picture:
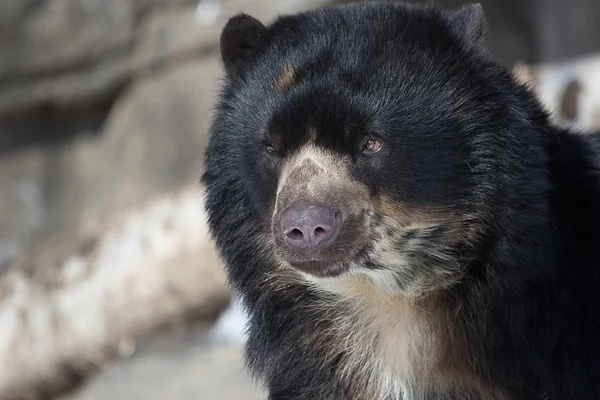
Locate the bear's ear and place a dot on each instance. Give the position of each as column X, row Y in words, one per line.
column 239, row 37
column 470, row 23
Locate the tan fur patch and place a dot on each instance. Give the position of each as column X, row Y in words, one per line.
column 388, row 207
column 396, row 339
column 399, row 344
column 286, row 79
column 311, row 134
column 404, row 216
column 327, row 171
column 322, row 158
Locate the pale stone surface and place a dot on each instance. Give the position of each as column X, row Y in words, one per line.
column 175, row 366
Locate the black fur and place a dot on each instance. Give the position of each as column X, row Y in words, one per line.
column 459, row 134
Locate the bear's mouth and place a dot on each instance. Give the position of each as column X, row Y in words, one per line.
column 320, row 268
column 334, row 267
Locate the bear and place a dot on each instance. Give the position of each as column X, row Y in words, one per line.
column 399, row 214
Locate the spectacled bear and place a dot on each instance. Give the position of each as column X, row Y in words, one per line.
column 399, row 215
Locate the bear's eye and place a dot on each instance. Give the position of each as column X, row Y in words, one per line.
column 372, row 146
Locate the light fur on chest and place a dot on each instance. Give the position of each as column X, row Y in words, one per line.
column 391, row 340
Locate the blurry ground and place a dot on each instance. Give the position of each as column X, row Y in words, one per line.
column 175, row 366
column 200, row 362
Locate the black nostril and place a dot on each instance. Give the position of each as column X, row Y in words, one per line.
column 295, row 234
column 319, row 232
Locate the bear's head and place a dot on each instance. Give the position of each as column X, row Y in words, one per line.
column 364, row 139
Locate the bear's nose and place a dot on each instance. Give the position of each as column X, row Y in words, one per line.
column 310, row 226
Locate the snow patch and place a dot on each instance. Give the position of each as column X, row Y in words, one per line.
column 231, row 325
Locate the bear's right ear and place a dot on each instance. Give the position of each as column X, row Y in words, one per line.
column 240, row 36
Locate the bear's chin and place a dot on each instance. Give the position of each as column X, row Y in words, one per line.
column 320, row 268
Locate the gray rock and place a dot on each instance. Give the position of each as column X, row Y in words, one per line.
column 63, row 48
column 67, row 51
column 152, row 142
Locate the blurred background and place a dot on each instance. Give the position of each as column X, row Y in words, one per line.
column 109, row 285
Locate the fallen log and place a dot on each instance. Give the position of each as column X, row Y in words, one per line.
column 65, row 312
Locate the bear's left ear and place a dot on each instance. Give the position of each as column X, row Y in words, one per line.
column 241, row 34
column 470, row 23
